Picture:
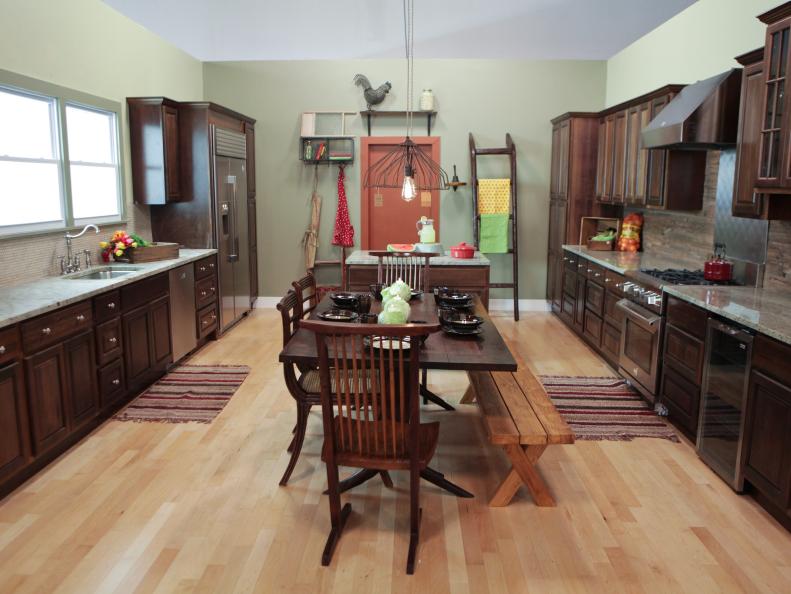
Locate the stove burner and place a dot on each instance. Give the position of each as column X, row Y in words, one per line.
column 683, row 277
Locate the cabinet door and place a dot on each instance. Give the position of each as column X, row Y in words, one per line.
column 554, row 187
column 47, row 397
column 772, row 167
column 14, row 430
column 137, row 340
column 768, row 438
column 637, row 157
column 593, row 328
column 170, row 133
column 249, row 132
column 81, row 378
column 579, row 306
column 611, row 342
column 160, row 331
column 746, row 201
column 619, row 157
column 681, row 397
column 604, row 160
column 655, row 191
column 563, row 163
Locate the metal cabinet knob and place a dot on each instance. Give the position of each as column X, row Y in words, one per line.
column 590, row 271
column 112, row 340
column 80, row 318
column 203, row 293
column 212, row 289
column 46, row 331
column 606, row 280
column 203, row 269
column 211, row 265
column 2, row 349
column 597, row 274
column 116, row 381
column 111, row 305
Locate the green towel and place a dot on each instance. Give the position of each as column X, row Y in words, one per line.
column 494, row 234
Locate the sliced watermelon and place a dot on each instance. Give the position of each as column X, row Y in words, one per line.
column 400, row 247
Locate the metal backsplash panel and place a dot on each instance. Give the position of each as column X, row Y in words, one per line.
column 744, row 239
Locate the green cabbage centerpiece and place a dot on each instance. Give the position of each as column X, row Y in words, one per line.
column 401, row 289
column 395, row 311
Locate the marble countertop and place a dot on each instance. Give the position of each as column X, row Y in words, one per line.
column 764, row 310
column 363, row 257
column 623, row 262
column 27, row 300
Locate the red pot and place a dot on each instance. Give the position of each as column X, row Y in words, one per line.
column 718, row 270
column 463, row 251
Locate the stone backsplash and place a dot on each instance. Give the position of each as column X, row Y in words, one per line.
column 30, row 258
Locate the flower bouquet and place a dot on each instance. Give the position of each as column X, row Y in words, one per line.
column 118, row 246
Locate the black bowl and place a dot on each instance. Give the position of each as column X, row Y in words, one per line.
column 454, row 299
column 338, row 315
column 461, row 322
column 345, row 300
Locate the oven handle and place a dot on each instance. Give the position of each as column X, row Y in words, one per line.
column 635, row 312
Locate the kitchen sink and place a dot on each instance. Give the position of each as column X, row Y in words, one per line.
column 103, row 273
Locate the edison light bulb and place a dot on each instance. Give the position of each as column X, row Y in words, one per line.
column 408, row 190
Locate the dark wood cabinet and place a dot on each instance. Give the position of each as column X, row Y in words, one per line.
column 156, row 152
column 636, row 156
column 47, row 397
column 579, row 307
column 681, row 397
column 249, row 132
column 108, row 341
column 655, row 188
column 619, row 157
column 160, row 331
column 14, row 428
column 81, row 378
column 137, row 342
column 604, row 159
column 111, row 383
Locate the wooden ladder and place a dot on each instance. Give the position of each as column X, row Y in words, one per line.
column 508, row 150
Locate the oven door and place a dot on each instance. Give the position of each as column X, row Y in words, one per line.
column 641, row 341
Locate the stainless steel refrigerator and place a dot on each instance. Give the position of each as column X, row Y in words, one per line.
column 230, row 210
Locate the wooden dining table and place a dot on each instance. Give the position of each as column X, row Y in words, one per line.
column 486, row 351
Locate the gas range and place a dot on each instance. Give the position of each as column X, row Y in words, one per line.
column 645, row 286
column 674, row 276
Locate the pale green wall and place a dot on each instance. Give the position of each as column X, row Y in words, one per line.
column 486, row 97
column 697, row 43
column 87, row 46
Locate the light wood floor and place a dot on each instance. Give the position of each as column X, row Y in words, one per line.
column 197, row 508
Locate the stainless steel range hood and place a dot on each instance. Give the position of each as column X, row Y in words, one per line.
column 703, row 116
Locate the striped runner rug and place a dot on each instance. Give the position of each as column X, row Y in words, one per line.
column 187, row 393
column 604, row 408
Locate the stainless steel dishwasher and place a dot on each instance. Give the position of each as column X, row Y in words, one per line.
column 182, row 311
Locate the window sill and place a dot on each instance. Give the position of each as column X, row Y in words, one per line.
column 58, row 231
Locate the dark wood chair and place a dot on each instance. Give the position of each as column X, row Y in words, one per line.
column 414, row 269
column 307, row 294
column 377, row 426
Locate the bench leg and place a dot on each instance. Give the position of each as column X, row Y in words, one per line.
column 469, row 394
column 524, row 472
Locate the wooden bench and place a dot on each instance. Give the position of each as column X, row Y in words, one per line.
column 519, row 417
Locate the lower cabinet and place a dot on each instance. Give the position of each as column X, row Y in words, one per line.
column 681, row 397
column 147, row 345
column 81, row 378
column 47, row 397
column 14, row 428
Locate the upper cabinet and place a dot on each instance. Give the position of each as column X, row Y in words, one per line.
column 154, row 140
column 628, row 173
column 746, row 201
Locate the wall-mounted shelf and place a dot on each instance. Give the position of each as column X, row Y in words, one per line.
column 371, row 113
column 328, row 150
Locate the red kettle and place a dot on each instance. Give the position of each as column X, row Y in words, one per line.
column 717, row 268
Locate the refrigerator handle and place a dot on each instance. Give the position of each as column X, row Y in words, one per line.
column 233, row 240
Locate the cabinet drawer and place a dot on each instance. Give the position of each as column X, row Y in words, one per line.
column 682, row 398
column 106, row 306
column 111, row 383
column 611, row 341
column 567, row 306
column 54, row 327
column 594, row 298
column 570, row 282
column 205, row 291
column 108, row 341
column 687, row 317
column 593, row 328
column 596, row 273
column 612, row 313
column 205, row 267
column 207, row 321
column 685, row 352
column 570, row 260
column 582, row 266
column 772, row 357
column 10, row 346
column 614, row 282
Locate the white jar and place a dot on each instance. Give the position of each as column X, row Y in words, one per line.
column 427, row 100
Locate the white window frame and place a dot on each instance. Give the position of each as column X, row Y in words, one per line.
column 63, row 97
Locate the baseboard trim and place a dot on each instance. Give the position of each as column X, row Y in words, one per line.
column 494, row 304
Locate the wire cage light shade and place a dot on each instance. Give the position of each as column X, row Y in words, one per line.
column 406, row 159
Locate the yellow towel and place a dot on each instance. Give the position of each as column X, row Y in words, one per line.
column 494, row 196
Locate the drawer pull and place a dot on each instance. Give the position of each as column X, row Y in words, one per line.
column 80, row 318
column 112, row 340
column 212, row 289
column 203, row 269
column 111, row 305
column 203, row 293
column 46, row 331
column 211, row 265
column 116, row 381
column 596, row 274
column 2, row 349
column 590, row 271
column 606, row 280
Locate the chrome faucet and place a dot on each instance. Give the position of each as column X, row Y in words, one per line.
column 71, row 263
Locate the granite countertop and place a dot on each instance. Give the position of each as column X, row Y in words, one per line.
column 764, row 310
column 623, row 262
column 27, row 300
column 364, row 257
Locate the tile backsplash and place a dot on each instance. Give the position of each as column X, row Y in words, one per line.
column 29, row 258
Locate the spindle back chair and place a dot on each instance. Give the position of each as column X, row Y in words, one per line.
column 411, row 267
column 305, row 288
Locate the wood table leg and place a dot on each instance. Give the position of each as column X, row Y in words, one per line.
column 524, row 472
column 469, row 395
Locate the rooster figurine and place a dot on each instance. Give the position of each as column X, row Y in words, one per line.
column 372, row 96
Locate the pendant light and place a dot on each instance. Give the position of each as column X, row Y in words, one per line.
column 406, row 165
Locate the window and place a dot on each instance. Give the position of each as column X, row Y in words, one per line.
column 59, row 158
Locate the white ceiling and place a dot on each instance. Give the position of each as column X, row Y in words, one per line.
column 217, row 30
